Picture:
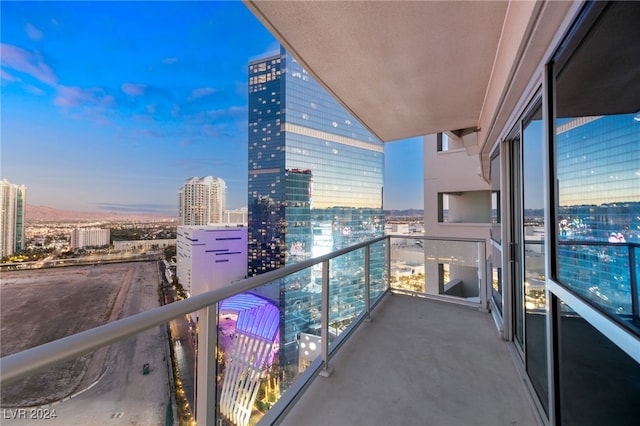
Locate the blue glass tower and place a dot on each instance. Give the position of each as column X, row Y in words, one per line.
column 315, row 186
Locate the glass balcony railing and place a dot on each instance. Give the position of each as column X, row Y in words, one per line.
column 452, row 269
column 258, row 342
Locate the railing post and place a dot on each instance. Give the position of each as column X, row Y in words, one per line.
column 324, row 316
column 367, row 282
column 484, row 280
column 387, row 255
column 633, row 282
column 206, row 366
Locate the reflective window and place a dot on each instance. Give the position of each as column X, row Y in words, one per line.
column 496, row 233
column 535, row 303
column 597, row 160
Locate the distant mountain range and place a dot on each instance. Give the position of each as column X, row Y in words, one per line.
column 49, row 214
column 404, row 213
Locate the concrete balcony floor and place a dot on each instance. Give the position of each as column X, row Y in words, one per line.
column 419, row 362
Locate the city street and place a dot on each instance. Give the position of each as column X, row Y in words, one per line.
column 183, row 344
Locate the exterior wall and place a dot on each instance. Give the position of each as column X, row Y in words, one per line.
column 454, row 171
column 519, row 64
column 12, row 210
column 210, row 257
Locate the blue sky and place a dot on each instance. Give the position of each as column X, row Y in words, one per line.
column 112, row 106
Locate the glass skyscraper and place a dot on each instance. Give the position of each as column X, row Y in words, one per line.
column 315, row 186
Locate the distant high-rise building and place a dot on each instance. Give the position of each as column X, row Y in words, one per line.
column 13, row 201
column 89, row 237
column 315, row 185
column 202, row 201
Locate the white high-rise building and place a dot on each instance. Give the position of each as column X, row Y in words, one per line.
column 89, row 237
column 202, row 201
column 13, row 200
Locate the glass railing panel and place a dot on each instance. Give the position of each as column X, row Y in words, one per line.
column 263, row 340
column 378, row 266
column 346, row 291
column 437, row 267
column 266, row 339
column 600, row 273
column 407, row 265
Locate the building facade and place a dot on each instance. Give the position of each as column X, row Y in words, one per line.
column 89, row 237
column 210, row 257
column 315, row 186
column 202, row 201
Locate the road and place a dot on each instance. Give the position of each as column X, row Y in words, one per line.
column 183, row 345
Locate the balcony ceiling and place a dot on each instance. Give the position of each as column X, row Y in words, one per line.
column 403, row 69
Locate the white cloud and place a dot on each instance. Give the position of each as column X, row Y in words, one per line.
column 133, row 89
column 34, row 90
column 33, row 32
column 26, row 62
column 201, row 92
column 6, row 76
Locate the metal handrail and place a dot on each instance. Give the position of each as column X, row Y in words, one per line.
column 25, row 363
column 28, row 362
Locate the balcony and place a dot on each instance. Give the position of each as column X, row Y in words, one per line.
column 431, row 353
column 419, row 362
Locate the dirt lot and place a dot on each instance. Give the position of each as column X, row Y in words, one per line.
column 39, row 306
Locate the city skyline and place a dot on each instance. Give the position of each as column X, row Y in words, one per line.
column 112, row 106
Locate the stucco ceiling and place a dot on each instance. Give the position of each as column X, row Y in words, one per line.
column 402, row 68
